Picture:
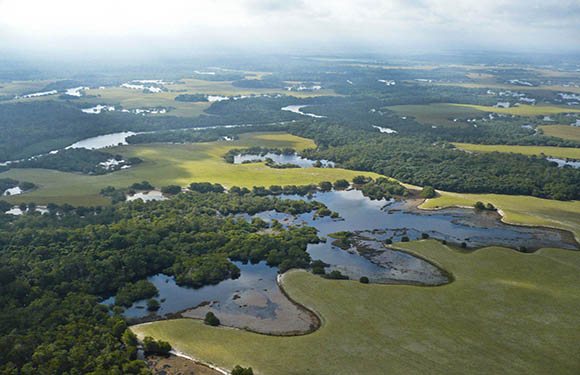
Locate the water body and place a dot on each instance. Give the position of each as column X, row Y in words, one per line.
column 146, row 196
column 564, row 162
column 253, row 277
column 103, row 141
column 297, row 109
column 282, row 159
column 254, row 300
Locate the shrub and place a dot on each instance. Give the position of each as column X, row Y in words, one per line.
column 341, row 184
column 238, row 370
column 364, row 280
column 424, row 236
column 405, row 239
column 428, row 192
column 479, row 205
column 153, row 304
column 171, row 189
column 211, row 319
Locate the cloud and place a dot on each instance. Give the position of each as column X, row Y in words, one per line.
column 296, row 25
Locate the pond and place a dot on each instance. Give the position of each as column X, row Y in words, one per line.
column 298, row 109
column 102, row 141
column 282, row 159
column 564, row 162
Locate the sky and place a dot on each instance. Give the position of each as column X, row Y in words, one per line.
column 294, row 26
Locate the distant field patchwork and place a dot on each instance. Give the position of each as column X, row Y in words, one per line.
column 556, row 152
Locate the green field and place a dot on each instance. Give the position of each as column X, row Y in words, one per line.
column 133, row 99
column 167, row 164
column 562, row 131
column 518, row 209
column 556, row 152
column 505, row 313
column 436, row 114
column 492, row 85
column 524, row 109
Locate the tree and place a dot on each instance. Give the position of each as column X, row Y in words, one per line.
column 479, row 205
column 171, row 189
column 129, row 338
column 211, row 319
column 360, row 180
column 153, row 304
column 239, row 370
column 364, row 280
column 325, row 186
column 428, row 192
column 341, row 184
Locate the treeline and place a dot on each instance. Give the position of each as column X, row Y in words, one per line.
column 55, row 267
column 79, row 160
column 201, row 135
column 439, row 165
column 9, row 183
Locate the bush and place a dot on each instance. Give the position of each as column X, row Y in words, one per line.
column 325, row 186
column 153, row 304
column 341, row 184
column 405, row 239
column 428, row 192
column 318, row 270
column 424, row 236
column 463, row 245
column 479, row 205
column 364, row 280
column 336, row 275
column 388, row 241
column 238, row 370
column 211, row 319
column 360, row 180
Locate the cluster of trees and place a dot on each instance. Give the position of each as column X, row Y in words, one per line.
column 131, row 292
column 54, row 268
column 191, row 98
column 79, row 160
column 381, row 188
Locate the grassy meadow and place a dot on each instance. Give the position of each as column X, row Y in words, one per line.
column 167, row 164
column 436, row 114
column 505, row 313
column 556, row 152
column 518, row 209
column 562, row 131
column 524, row 109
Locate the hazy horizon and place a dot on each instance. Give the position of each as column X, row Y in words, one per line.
column 182, row 28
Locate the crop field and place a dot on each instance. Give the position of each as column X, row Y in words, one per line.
column 505, row 313
column 524, row 109
column 436, row 114
column 556, row 152
column 167, row 164
column 562, row 131
column 518, row 209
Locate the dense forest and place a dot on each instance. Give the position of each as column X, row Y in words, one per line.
column 439, row 164
column 55, row 268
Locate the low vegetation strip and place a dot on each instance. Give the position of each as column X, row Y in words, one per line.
column 556, row 152
column 515, row 316
column 524, row 109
